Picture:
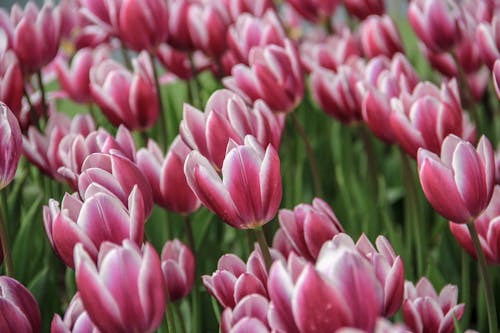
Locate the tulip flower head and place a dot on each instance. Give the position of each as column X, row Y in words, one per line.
column 10, row 145
column 178, row 266
column 76, row 319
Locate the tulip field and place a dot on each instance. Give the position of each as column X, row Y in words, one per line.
column 250, row 166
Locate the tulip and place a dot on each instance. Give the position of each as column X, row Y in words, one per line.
column 380, row 36
column 488, row 41
column 249, row 31
column 426, row 311
column 175, row 61
column 249, row 193
column 166, row 176
column 10, row 145
column 11, row 77
column 103, row 13
column 437, row 23
column 20, row 311
column 125, row 291
column 496, row 77
column 76, row 319
column 315, row 10
column 282, row 243
column 274, row 75
column 178, row 266
column 116, row 174
column 249, row 315
column 309, row 227
column 427, row 116
column 143, row 25
column 256, row 8
column 124, row 97
column 488, row 229
column 363, row 9
column 227, row 117
column 98, row 218
column 459, row 183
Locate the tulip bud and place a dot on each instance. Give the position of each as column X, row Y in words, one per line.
column 76, row 319
column 249, row 315
column 125, row 291
column 488, row 41
column 315, row 10
column 103, row 13
column 20, row 311
column 459, row 183
column 364, row 8
column 11, row 77
column 10, row 145
column 380, row 36
column 256, row 8
column 178, row 25
column 178, row 266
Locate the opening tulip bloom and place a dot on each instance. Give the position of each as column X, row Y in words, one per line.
column 10, row 145
column 249, row 193
column 178, row 266
column 459, row 183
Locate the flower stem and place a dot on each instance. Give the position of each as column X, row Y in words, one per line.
column 483, row 270
column 310, row 154
column 4, row 238
column 163, row 122
column 195, row 305
column 42, row 92
column 261, row 239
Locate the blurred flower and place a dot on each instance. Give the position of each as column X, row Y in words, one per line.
column 459, row 183
column 76, row 319
column 380, row 36
column 249, row 193
column 143, row 25
column 227, row 117
column 249, row 315
column 11, row 77
column 426, row 311
column 125, row 291
column 20, row 311
column 308, row 227
column 10, row 145
column 166, row 176
column 488, row 229
column 496, row 77
column 124, row 97
column 315, row 10
column 488, row 40
column 100, row 217
column 103, row 13
column 178, row 266
column 256, row 8
column 274, row 75
column 364, row 8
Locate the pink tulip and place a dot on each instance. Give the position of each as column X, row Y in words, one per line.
column 125, row 291
column 274, row 75
column 309, row 227
column 315, row 10
column 227, row 117
column 116, row 174
column 20, row 311
column 103, row 13
column 178, row 24
column 496, row 77
column 488, row 229
column 249, row 315
column 35, row 35
column 437, row 23
column 178, row 266
column 426, row 311
column 488, row 40
column 11, row 77
column 10, row 145
column 41, row 148
column 459, row 183
column 249, row 31
column 282, row 243
column 166, row 176
column 362, row 8
column 76, row 319
column 256, row 8
column 100, row 217
column 427, row 116
column 249, row 193
column 380, row 36
column 124, row 97
column 143, row 25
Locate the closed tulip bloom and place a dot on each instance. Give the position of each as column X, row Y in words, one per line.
column 20, row 311
column 315, row 10
column 256, row 8
column 178, row 266
column 427, row 116
column 459, row 183
column 10, row 145
column 488, row 229
column 143, row 25
column 227, row 117
column 76, row 319
column 426, row 311
column 249, row 193
column 380, row 36
column 100, row 217
column 124, row 97
column 166, row 176
column 103, row 13
column 116, row 174
column 308, row 227
column 11, row 77
column 488, row 40
column 178, row 24
column 274, row 75
column 249, row 315
column 362, row 8
column 437, row 23
column 125, row 291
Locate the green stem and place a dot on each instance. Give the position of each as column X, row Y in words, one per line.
column 42, row 92
column 169, row 317
column 163, row 122
column 466, row 93
column 195, row 305
column 33, row 115
column 411, row 201
column 371, row 161
column 310, row 155
column 4, row 238
column 178, row 314
column 483, row 270
column 215, row 307
column 92, row 112
column 261, row 239
column 465, row 287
